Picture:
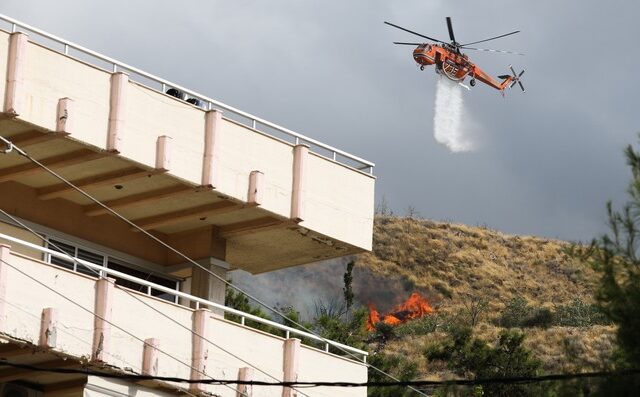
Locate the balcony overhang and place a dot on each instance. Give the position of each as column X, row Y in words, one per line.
column 176, row 170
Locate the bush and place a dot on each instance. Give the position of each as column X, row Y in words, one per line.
column 398, row 366
column 421, row 326
column 471, row 357
column 515, row 313
column 579, row 314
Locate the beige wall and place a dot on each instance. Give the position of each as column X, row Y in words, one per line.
column 133, row 315
column 334, row 369
column 243, row 150
column 50, row 76
column 149, row 115
column 27, row 298
column 339, row 202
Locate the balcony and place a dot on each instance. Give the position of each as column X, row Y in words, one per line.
column 190, row 171
column 47, row 319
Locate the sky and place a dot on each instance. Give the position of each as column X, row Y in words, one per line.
column 546, row 161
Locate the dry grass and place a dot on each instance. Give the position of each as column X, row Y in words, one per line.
column 455, row 264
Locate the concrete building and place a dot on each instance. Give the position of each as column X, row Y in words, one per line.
column 216, row 188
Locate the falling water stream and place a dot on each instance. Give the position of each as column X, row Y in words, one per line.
column 448, row 126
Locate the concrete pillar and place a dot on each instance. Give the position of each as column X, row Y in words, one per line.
column 203, row 284
column 290, row 365
column 102, row 319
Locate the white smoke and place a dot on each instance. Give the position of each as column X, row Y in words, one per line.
column 449, row 128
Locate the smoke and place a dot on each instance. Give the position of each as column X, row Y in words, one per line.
column 449, row 128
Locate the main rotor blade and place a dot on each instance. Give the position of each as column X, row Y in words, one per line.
column 412, row 32
column 450, row 27
column 490, row 50
column 402, row 43
column 493, row 38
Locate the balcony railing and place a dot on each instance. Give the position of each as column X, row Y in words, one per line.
column 151, row 81
column 198, row 302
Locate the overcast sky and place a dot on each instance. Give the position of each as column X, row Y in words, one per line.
column 547, row 161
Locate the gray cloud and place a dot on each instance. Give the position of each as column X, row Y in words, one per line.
column 548, row 161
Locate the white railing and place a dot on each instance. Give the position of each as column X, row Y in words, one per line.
column 105, row 271
column 248, row 120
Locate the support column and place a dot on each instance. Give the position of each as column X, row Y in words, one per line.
column 212, row 123
column 48, row 328
column 291, row 365
column 102, row 319
column 300, row 155
column 200, row 348
column 163, row 153
column 256, row 188
column 245, row 374
column 64, row 119
column 203, row 284
column 5, row 252
column 117, row 109
column 14, row 94
column 206, row 286
column 150, row 357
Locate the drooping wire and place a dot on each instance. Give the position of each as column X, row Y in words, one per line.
column 102, row 318
column 131, row 294
column 193, row 262
column 423, row 383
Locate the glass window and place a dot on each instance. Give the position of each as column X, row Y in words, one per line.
column 111, row 263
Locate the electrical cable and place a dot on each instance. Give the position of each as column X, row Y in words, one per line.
column 100, row 317
column 131, row 294
column 431, row 383
column 193, row 262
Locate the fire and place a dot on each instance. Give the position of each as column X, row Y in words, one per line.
column 414, row 307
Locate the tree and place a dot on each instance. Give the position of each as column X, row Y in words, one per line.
column 615, row 258
column 472, row 357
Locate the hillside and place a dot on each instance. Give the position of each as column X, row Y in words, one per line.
column 459, row 269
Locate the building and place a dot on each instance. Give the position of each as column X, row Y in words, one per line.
column 216, row 188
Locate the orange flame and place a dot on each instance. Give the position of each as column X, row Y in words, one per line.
column 414, row 307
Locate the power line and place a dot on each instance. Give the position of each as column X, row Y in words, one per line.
column 431, row 383
column 100, row 317
column 131, row 294
column 193, row 262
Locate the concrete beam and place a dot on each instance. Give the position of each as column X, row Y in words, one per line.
column 59, row 161
column 138, row 199
column 108, row 178
column 252, row 226
column 189, row 214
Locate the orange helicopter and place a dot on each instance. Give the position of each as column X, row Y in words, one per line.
column 455, row 65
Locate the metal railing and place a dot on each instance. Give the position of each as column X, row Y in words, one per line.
column 105, row 271
column 156, row 83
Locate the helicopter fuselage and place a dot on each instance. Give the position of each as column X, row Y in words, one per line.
column 453, row 64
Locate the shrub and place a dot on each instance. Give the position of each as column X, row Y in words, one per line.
column 514, row 313
column 579, row 314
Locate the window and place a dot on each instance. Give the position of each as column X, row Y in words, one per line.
column 111, row 263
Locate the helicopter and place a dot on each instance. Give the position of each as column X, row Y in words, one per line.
column 455, row 65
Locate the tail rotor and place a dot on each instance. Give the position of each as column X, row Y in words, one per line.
column 516, row 78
